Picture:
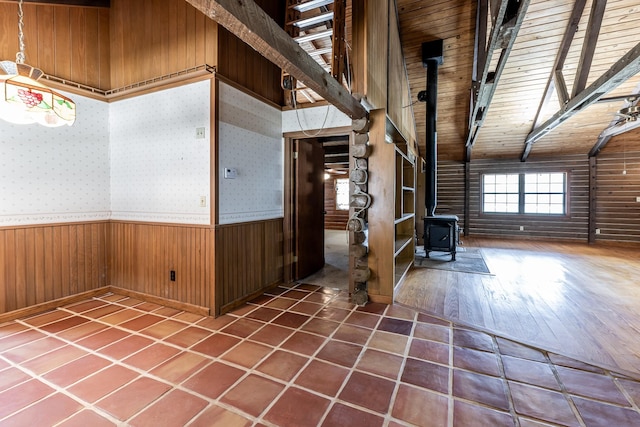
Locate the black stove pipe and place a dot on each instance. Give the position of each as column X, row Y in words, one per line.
column 431, row 59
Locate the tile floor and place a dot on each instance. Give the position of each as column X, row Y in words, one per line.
column 301, row 356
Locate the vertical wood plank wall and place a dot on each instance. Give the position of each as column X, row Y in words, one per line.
column 334, row 219
column 42, row 263
column 68, row 42
column 249, row 259
column 141, row 257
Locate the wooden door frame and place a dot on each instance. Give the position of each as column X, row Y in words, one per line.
column 289, row 178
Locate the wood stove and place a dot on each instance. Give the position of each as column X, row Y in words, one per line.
column 441, row 234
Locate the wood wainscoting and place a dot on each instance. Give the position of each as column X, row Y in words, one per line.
column 142, row 256
column 249, row 260
column 39, row 264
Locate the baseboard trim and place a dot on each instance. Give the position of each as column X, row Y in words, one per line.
column 178, row 305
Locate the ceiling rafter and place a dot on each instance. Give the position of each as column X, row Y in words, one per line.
column 627, row 66
column 589, row 45
column 249, row 22
column 614, row 127
column 507, row 17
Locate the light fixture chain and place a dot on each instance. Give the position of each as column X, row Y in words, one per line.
column 20, row 55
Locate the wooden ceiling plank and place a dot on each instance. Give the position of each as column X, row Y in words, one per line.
column 589, row 45
column 250, row 23
column 625, row 68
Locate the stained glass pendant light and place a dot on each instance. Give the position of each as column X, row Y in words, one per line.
column 23, row 100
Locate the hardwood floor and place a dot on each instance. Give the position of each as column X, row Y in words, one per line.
column 578, row 300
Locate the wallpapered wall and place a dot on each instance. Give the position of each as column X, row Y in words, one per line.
column 159, row 169
column 250, row 141
column 50, row 175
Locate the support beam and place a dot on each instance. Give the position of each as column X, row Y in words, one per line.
column 622, row 70
column 507, row 19
column 589, row 45
column 251, row 24
column 609, row 133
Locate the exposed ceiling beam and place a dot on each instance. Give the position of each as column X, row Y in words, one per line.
column 507, row 18
column 622, row 70
column 589, row 45
column 246, row 20
column 82, row 3
column 615, row 128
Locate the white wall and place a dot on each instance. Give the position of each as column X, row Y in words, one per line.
column 50, row 175
column 159, row 170
column 313, row 118
column 250, row 141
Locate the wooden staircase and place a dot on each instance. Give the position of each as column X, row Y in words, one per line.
column 318, row 26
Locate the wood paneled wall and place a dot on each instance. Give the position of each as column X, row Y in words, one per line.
column 43, row 263
column 68, row 42
column 334, row 219
column 141, row 257
column 152, row 38
column 573, row 227
column 450, row 191
column 249, row 259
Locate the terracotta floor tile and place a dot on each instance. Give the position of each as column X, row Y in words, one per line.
column 261, row 300
column 320, row 326
column 430, row 332
column 413, row 404
column 387, row 341
column 215, row 323
column 112, row 297
column 214, row 379
column 243, row 310
column 82, row 331
column 47, row 412
column 48, row 317
column 319, row 298
column 185, row 316
column 425, row 318
column 129, row 302
column 427, row 375
column 271, row 334
column 148, row 306
column 480, row 388
column 215, row 416
column 142, row 322
column 429, row 350
column 476, row 360
column 216, row 344
column 20, row 338
column 104, row 382
column 278, row 290
column 542, row 404
column 163, row 412
column 530, row 372
column 373, row 307
column 322, row 377
column 85, row 306
column 87, row 418
column 304, row 307
column 510, row 348
column 281, row 303
column 572, row 363
column 11, row 328
column 151, row 356
column 282, row 365
column 163, row 329
column 166, row 311
column 133, row 397
column 103, row 338
column 12, row 376
column 102, row 311
column 396, row 326
column 380, row 363
column 366, row 320
column 120, row 316
column 33, row 349
column 400, row 312
column 247, row 353
column 126, row 347
column 472, row 339
column 264, row 314
column 341, row 415
column 467, row 414
column 601, row 414
column 290, row 320
column 22, row 395
column 253, row 394
column 53, row 359
column 353, row 334
column 304, row 343
column 335, row 314
column 61, row 325
column 295, row 294
column 180, row 367
column 242, row 327
column 296, row 408
column 359, row 391
column 309, row 287
column 187, row 336
column 592, row 385
column 340, row 353
column 76, row 370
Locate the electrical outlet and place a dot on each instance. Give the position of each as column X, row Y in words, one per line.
column 522, row 228
column 203, row 201
column 638, row 199
column 200, row 133
column 230, row 173
column 172, row 275
column 597, row 231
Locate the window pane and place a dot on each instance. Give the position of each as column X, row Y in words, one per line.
column 556, row 188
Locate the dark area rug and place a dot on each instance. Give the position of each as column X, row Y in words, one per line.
column 467, row 261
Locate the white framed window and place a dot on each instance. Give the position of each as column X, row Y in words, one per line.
column 525, row 193
column 342, row 194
